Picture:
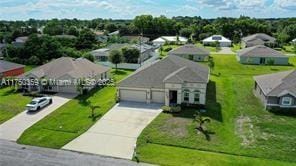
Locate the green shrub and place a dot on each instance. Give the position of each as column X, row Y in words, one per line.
column 33, row 94
column 175, row 109
column 168, row 49
column 166, row 109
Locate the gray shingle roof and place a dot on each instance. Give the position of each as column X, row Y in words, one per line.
column 278, row 83
column 76, row 68
column 259, row 36
column 260, row 51
column 7, row 66
column 190, row 49
column 172, row 69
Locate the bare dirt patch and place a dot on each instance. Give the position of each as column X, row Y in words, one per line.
column 245, row 130
column 176, row 126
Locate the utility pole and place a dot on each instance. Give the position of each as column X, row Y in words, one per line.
column 140, row 38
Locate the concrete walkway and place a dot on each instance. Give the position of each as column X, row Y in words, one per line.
column 12, row 154
column 115, row 134
column 13, row 128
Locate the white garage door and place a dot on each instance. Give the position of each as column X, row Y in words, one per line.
column 157, row 97
column 132, row 95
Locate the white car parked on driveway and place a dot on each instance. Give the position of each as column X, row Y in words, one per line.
column 39, row 103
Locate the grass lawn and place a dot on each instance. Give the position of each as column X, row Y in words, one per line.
column 239, row 127
column 29, row 67
column 72, row 119
column 211, row 49
column 164, row 52
column 11, row 103
column 288, row 49
column 169, row 155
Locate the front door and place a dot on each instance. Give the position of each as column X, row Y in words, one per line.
column 262, row 61
column 173, row 97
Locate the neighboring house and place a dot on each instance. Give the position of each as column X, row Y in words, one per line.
column 10, row 69
column 137, row 39
column 101, row 36
column 66, row 73
column 277, row 90
column 169, row 39
column 114, row 33
column 191, row 52
column 20, row 41
column 223, row 41
column 261, row 55
column 102, row 55
column 257, row 39
column 170, row 81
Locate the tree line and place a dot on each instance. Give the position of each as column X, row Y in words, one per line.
column 40, row 49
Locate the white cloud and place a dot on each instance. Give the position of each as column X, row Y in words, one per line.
column 285, row 4
column 233, row 4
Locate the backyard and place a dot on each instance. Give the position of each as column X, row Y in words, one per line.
column 73, row 118
column 240, row 131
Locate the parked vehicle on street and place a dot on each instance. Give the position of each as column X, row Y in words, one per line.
column 39, row 103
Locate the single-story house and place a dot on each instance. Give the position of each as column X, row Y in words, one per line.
column 63, row 75
column 20, row 41
column 114, row 33
column 137, row 39
column 277, row 90
column 257, row 39
column 191, row 52
column 223, row 41
column 10, row 69
column 102, row 54
column 101, row 36
column 170, row 81
column 261, row 54
column 169, row 39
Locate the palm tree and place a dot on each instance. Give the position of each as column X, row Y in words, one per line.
column 200, row 120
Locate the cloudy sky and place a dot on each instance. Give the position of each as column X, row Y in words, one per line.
column 88, row 9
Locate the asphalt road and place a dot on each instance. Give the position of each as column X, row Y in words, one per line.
column 12, row 154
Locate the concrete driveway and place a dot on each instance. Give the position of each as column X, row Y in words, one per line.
column 13, row 128
column 115, row 134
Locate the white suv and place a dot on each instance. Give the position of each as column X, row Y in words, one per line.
column 38, row 103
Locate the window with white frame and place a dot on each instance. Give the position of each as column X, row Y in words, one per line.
column 287, row 101
column 196, row 96
column 186, row 95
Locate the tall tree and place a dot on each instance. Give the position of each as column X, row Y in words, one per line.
column 115, row 57
column 86, row 39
